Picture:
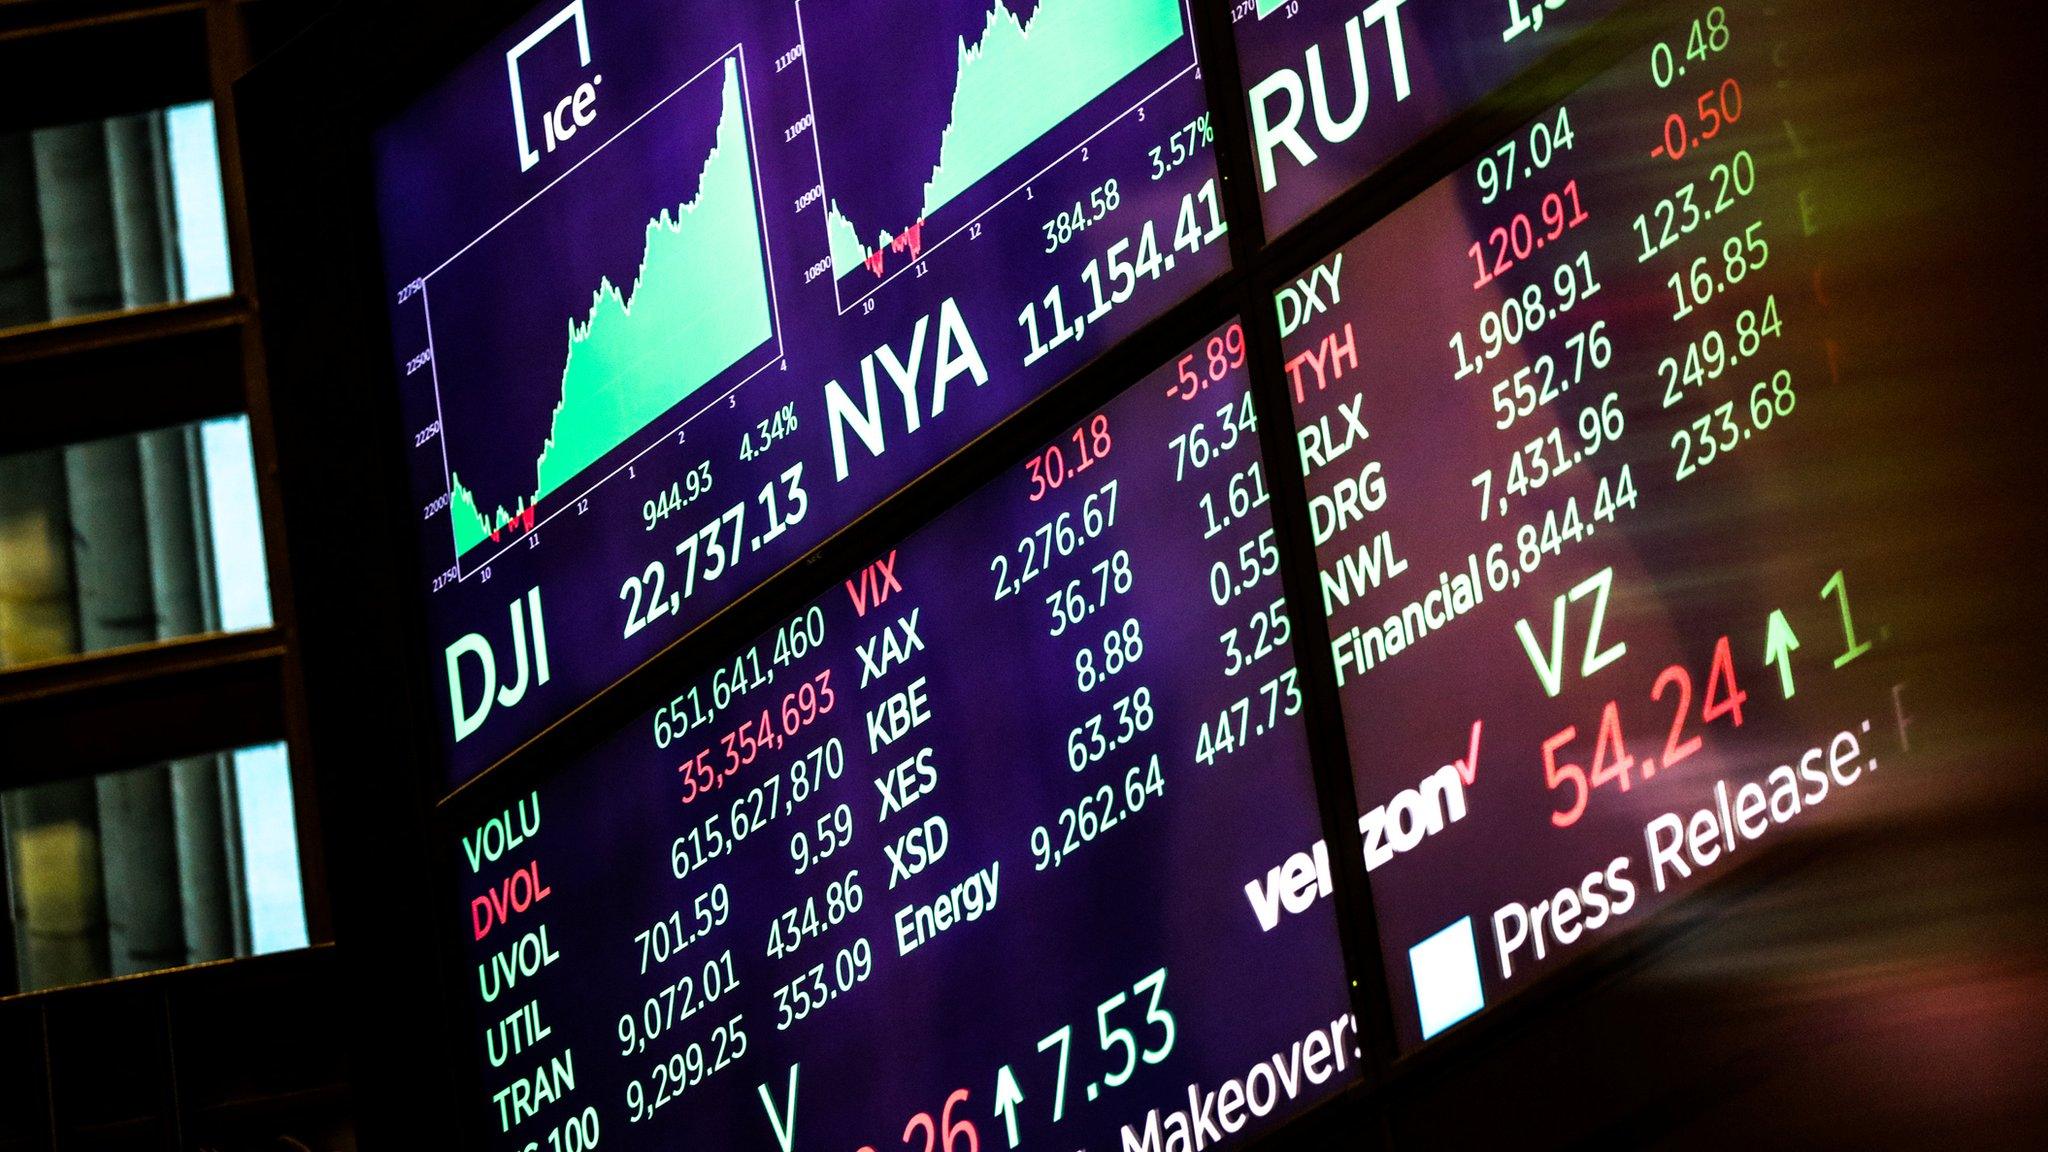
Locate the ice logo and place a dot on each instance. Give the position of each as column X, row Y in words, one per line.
column 573, row 111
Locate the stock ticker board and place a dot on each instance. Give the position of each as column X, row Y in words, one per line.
column 862, row 884
column 674, row 299
column 1591, row 650
column 1009, row 839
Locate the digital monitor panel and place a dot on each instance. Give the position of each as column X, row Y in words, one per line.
column 1334, row 91
column 992, row 843
column 678, row 290
column 1569, row 423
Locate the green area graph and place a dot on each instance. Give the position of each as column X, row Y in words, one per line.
column 698, row 303
column 1015, row 84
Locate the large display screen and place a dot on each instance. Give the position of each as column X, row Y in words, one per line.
column 677, row 291
column 988, row 847
column 1334, row 91
column 1569, row 422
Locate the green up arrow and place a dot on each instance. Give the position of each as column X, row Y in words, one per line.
column 1008, row 1096
column 1778, row 648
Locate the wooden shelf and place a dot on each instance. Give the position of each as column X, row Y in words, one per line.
column 128, row 707
column 24, row 19
column 63, row 61
column 131, row 371
column 72, row 61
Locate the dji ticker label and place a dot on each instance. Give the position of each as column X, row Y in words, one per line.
column 529, row 633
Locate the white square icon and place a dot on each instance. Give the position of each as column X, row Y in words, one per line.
column 1446, row 969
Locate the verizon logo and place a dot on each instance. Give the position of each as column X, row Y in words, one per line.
column 1413, row 815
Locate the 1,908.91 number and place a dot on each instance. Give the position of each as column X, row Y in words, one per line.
column 1524, row 315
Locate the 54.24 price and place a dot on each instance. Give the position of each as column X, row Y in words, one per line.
column 1612, row 761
